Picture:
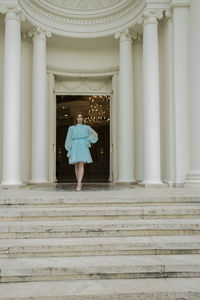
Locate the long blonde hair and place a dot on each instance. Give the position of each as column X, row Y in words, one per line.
column 75, row 117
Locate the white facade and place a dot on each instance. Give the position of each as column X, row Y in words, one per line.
column 143, row 53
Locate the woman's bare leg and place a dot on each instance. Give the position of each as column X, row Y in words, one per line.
column 76, row 165
column 80, row 173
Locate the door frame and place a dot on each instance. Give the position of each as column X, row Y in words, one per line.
column 113, row 167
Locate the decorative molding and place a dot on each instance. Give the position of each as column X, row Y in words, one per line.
column 82, row 22
column 83, row 85
column 83, row 4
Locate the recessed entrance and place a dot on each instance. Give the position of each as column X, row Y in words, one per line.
column 96, row 110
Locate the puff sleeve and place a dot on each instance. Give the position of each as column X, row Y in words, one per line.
column 68, row 140
column 92, row 136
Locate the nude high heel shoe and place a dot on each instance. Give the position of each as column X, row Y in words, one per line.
column 79, row 189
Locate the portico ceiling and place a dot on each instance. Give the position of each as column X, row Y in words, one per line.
column 82, row 4
column 82, row 18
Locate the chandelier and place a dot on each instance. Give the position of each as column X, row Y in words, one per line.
column 98, row 111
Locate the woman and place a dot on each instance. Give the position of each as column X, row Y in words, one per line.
column 78, row 140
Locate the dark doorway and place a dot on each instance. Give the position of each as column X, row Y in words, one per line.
column 96, row 110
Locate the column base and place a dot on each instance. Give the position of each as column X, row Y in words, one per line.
column 179, row 184
column 149, row 184
column 193, row 179
column 125, row 182
column 7, row 185
column 38, row 181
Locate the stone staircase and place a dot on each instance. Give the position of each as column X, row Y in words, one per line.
column 121, row 244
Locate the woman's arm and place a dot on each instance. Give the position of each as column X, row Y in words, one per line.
column 68, row 140
column 92, row 136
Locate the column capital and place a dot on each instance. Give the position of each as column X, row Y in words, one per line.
column 12, row 11
column 39, row 33
column 150, row 16
column 169, row 14
column 125, row 35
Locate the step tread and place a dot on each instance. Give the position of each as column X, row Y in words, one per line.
column 137, row 209
column 158, row 241
column 102, row 288
column 149, row 242
column 99, row 222
column 182, row 262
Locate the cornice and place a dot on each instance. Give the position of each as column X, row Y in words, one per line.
column 80, row 22
column 179, row 3
column 73, row 73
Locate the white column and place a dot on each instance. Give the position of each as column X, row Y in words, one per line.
column 12, row 98
column 39, row 109
column 151, row 100
column 181, row 90
column 126, row 112
column 193, row 177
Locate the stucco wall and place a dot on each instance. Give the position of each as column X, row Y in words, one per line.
column 84, row 54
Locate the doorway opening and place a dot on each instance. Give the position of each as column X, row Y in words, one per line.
column 96, row 111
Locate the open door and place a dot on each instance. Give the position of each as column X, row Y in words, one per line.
column 96, row 111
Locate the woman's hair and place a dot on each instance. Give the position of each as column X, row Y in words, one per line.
column 75, row 117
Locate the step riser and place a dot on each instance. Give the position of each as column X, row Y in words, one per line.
column 106, row 202
column 168, row 295
column 95, row 276
column 118, row 233
column 97, row 204
column 99, row 253
column 100, row 217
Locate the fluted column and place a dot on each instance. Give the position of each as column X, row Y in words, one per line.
column 12, row 97
column 126, row 112
column 39, row 172
column 151, row 99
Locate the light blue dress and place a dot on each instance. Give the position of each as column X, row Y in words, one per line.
column 78, row 140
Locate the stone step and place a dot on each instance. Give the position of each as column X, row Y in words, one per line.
column 113, row 289
column 149, row 245
column 96, row 199
column 89, row 228
column 100, row 267
column 118, row 212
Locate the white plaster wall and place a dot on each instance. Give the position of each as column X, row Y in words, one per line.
column 1, row 93
column 82, row 54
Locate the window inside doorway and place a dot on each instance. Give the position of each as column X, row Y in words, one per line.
column 96, row 111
